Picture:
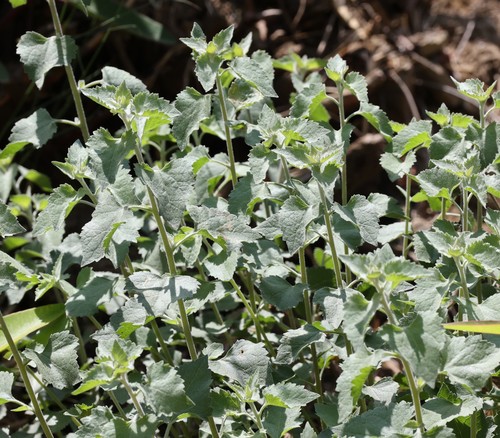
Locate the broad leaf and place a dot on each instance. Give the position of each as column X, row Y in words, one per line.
column 8, row 222
column 278, row 292
column 288, row 395
column 40, row 54
column 278, row 421
column 294, row 341
column 57, row 361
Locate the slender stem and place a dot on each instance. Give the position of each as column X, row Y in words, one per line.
column 164, row 349
column 24, row 375
column 331, row 240
column 473, row 425
column 229, row 142
column 81, row 343
column 132, row 395
column 309, row 319
column 443, row 208
column 465, row 210
column 415, row 392
column 253, row 316
column 406, row 236
column 117, row 404
column 70, row 74
column 256, row 414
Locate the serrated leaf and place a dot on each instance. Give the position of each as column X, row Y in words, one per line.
column 37, row 129
column 194, row 107
column 294, row 341
column 357, row 85
column 24, row 322
column 355, row 371
column 246, row 194
column 8, row 222
column 172, row 186
column 109, row 233
column 377, row 118
column 332, row 302
column 40, row 54
column 60, row 203
column 288, row 395
column 281, row 294
column 207, row 67
column 395, row 167
column 381, row 421
column 358, row 312
column 470, row 360
column 278, row 421
column 115, row 76
column 165, row 390
column 197, row 380
column 336, row 68
column 233, row 229
column 474, row 88
column 58, row 361
column 383, row 390
column 257, row 71
column 308, row 100
column 438, row 182
column 417, row 133
column 98, row 290
column 420, row 343
column 243, row 361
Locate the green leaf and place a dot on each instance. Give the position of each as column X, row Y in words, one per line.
column 281, row 294
column 382, row 421
column 165, row 390
column 474, row 88
column 395, row 167
column 358, row 313
column 257, row 71
column 355, row 371
column 40, row 54
column 37, row 129
column 288, row 395
column 417, row 133
column 470, row 360
column 233, row 229
column 243, row 361
column 21, row 324
column 8, row 222
column 308, row 101
column 197, row 380
column 222, row 265
column 357, row 85
column 336, row 68
column 17, row 3
column 172, row 186
column 294, row 341
column 6, row 381
column 382, row 391
column 115, row 76
column 194, row 107
column 60, row 203
column 421, row 343
column 57, row 361
column 278, row 421
column 377, row 118
column 332, row 302
column 438, row 182
column 98, row 290
column 246, row 194
column 110, row 231
column 158, row 293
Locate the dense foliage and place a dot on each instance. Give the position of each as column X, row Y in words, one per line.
column 205, row 295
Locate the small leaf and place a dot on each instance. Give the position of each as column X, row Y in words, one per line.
column 257, row 71
column 417, row 133
column 336, row 68
column 474, row 88
column 37, row 129
column 294, row 341
column 377, row 118
column 21, row 324
column 57, row 362
column 288, row 395
column 357, row 85
column 438, row 182
column 115, row 76
column 40, row 54
column 8, row 222
column 6, row 381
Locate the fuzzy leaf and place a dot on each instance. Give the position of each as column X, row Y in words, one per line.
column 165, row 390
column 40, row 54
column 194, row 107
column 438, row 182
column 474, row 88
column 8, row 222
column 417, row 133
column 6, row 381
column 336, row 68
column 294, row 341
column 197, row 380
column 37, row 129
column 358, row 312
column 383, row 390
column 60, row 203
column 377, row 118
column 243, row 361
column 257, row 71
column 357, row 85
column 57, row 362
column 395, row 167
column 278, row 421
column 470, row 360
column 421, row 343
column 98, row 290
column 278, row 292
column 288, row 395
column 115, row 76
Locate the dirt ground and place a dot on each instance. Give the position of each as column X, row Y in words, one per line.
column 406, row 49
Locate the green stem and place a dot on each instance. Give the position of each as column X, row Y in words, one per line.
column 70, row 74
column 465, row 210
column 253, row 316
column 443, row 208
column 415, row 393
column 81, row 343
column 309, row 319
column 229, row 142
column 24, row 375
column 132, row 395
column 406, row 236
column 473, row 425
column 331, row 240
column 256, row 414
column 117, row 404
column 164, row 349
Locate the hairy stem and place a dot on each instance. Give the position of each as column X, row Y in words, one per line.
column 132, row 395
column 406, row 236
column 229, row 141
column 24, row 375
